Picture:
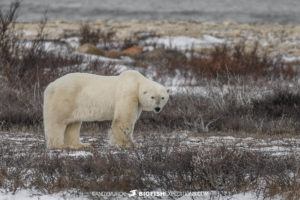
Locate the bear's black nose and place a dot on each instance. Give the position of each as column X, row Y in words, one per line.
column 157, row 109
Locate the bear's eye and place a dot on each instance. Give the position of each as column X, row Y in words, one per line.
column 163, row 98
column 152, row 97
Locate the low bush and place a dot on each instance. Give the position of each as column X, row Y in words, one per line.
column 160, row 163
column 95, row 36
column 238, row 61
column 223, row 63
column 27, row 67
column 278, row 105
column 87, row 35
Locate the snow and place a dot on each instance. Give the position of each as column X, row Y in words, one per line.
column 72, row 41
column 290, row 58
column 76, row 154
column 121, row 68
column 276, row 147
column 27, row 33
column 66, row 195
column 213, row 195
column 280, row 147
column 177, row 83
column 100, row 58
column 213, row 40
column 34, row 195
column 24, row 139
column 184, row 42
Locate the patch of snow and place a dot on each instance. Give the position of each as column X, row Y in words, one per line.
column 24, row 139
column 290, row 59
column 293, row 42
column 63, row 153
column 213, row 40
column 121, row 68
column 92, row 140
column 189, row 90
column 34, row 195
column 100, row 58
column 66, row 195
column 280, row 147
column 79, row 154
column 183, row 42
column 27, row 33
column 72, row 41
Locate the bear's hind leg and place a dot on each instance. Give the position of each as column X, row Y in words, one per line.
column 54, row 134
column 72, row 136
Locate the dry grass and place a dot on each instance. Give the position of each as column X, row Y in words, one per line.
column 161, row 162
column 26, row 68
column 278, row 105
column 238, row 61
column 217, row 112
column 95, row 36
column 226, row 64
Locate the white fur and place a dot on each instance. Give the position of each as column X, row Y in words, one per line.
column 78, row 97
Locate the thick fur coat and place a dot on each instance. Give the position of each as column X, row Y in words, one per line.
column 78, row 97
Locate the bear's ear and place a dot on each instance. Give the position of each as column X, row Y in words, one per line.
column 145, row 92
column 168, row 90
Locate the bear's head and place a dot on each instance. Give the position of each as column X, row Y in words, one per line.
column 153, row 97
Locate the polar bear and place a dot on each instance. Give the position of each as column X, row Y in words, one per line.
column 78, row 97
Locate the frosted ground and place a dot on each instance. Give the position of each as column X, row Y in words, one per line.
column 30, row 195
column 25, row 143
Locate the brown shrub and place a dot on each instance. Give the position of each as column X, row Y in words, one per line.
column 160, row 163
column 278, row 105
column 224, row 62
column 14, row 109
column 87, row 35
column 128, row 43
column 7, row 35
column 95, row 36
column 27, row 67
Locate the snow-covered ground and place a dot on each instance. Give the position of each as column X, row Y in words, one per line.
column 183, row 42
column 67, row 195
column 24, row 142
column 276, row 147
column 33, row 195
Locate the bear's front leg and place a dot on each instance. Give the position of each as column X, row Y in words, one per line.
column 126, row 114
column 121, row 134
